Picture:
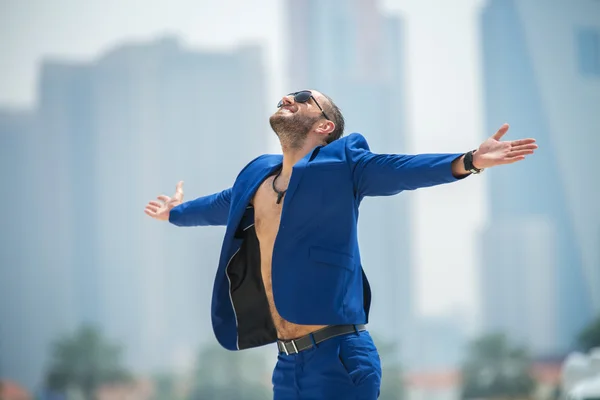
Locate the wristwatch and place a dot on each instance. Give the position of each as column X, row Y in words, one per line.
column 468, row 162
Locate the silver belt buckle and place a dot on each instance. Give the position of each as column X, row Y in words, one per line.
column 287, row 353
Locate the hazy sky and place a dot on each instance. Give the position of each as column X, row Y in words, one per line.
column 443, row 88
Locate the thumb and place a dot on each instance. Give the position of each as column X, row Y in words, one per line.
column 179, row 191
column 501, row 132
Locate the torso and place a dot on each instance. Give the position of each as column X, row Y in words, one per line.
column 267, row 215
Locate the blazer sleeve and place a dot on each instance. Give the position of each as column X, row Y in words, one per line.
column 203, row 211
column 389, row 174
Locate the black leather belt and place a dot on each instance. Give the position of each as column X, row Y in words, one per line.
column 306, row 342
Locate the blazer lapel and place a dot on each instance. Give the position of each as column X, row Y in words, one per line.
column 244, row 200
column 296, row 177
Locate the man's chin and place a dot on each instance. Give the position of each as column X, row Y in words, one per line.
column 279, row 117
column 282, row 114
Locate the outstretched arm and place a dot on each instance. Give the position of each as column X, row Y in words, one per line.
column 388, row 174
column 203, row 211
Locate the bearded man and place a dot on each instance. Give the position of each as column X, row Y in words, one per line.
column 290, row 270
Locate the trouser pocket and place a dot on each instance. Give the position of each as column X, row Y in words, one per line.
column 345, row 369
column 360, row 361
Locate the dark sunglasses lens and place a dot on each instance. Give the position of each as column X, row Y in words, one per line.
column 280, row 103
column 303, row 96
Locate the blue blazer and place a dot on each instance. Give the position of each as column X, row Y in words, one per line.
column 317, row 275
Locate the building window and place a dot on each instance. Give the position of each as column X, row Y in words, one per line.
column 588, row 51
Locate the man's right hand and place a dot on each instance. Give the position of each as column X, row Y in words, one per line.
column 160, row 210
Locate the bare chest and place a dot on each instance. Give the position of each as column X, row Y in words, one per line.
column 267, row 213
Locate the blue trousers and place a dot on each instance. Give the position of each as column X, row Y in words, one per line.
column 344, row 367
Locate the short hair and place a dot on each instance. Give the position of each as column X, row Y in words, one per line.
column 336, row 116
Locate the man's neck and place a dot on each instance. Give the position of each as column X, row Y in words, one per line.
column 292, row 156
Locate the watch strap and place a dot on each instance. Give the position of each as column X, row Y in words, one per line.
column 468, row 163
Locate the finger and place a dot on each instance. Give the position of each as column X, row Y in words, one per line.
column 524, row 147
column 179, row 191
column 522, row 142
column 501, row 132
column 150, row 213
column 519, row 153
column 164, row 198
column 152, row 208
column 513, row 160
column 155, row 203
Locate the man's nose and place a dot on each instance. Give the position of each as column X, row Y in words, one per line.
column 287, row 100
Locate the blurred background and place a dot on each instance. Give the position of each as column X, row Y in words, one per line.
column 487, row 288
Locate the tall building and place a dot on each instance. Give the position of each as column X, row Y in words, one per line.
column 65, row 109
column 163, row 114
column 110, row 135
column 352, row 52
column 14, row 130
column 541, row 68
column 519, row 281
column 35, row 284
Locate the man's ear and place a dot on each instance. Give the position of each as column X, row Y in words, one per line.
column 325, row 127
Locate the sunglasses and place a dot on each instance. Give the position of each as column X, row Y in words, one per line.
column 302, row 97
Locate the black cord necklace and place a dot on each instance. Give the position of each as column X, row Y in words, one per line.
column 281, row 193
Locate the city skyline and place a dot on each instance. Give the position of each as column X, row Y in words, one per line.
column 118, row 118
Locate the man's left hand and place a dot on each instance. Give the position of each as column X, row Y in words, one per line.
column 493, row 152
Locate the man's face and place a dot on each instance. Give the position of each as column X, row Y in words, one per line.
column 293, row 121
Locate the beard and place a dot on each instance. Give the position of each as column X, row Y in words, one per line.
column 293, row 129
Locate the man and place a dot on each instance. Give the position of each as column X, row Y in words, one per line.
column 290, row 269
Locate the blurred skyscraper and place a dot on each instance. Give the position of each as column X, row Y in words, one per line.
column 352, row 52
column 179, row 115
column 111, row 135
column 34, row 281
column 540, row 259
column 520, row 281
